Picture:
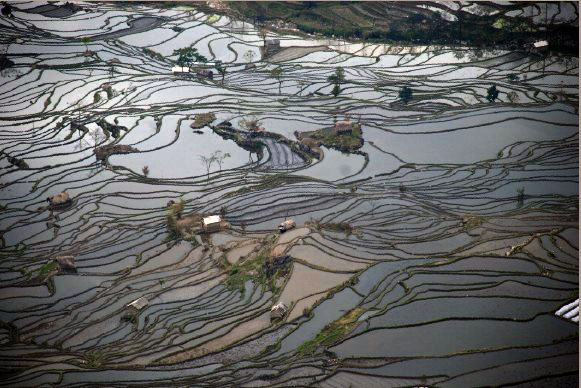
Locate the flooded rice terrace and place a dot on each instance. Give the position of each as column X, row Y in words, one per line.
column 435, row 252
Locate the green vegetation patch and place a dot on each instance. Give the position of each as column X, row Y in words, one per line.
column 47, row 268
column 153, row 54
column 344, row 227
column 333, row 332
column 500, row 23
column 254, row 268
column 341, row 141
column 180, row 227
column 250, row 269
column 213, row 19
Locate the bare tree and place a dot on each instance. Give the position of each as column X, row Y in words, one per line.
column 277, row 73
column 249, row 56
column 220, row 157
column 94, row 138
column 262, row 34
column 207, row 161
column 78, row 107
column 513, row 97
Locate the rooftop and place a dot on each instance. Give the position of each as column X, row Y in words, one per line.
column 180, row 69
column 541, row 43
column 139, row 303
column 211, row 220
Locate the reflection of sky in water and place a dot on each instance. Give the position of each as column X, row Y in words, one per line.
column 181, row 159
column 335, row 165
column 118, row 224
column 470, row 145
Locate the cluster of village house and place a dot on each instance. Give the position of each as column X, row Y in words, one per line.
column 272, row 46
column 210, row 224
column 202, row 69
column 214, row 224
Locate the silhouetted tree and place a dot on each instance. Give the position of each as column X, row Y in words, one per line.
column 221, row 69
column 336, row 90
column 277, row 73
column 337, row 79
column 188, row 55
column 492, row 93
column 7, row 10
column 207, row 161
column 86, row 40
column 249, row 55
column 405, row 94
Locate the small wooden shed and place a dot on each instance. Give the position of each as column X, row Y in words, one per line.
column 278, row 311
column 204, row 73
column 540, row 44
column 136, row 306
column 66, row 263
column 180, row 70
column 343, row 127
column 212, row 223
column 272, row 44
column 59, row 200
column 286, row 225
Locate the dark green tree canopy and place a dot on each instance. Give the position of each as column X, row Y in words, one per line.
column 492, row 93
column 338, row 77
column 220, row 68
column 189, row 55
column 336, row 90
column 405, row 94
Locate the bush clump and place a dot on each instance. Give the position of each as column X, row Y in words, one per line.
column 203, row 119
column 173, row 214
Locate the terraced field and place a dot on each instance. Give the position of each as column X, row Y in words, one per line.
column 437, row 254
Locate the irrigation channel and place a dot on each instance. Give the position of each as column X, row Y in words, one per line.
column 437, row 255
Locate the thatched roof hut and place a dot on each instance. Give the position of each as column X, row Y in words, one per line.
column 59, row 200
column 137, row 305
column 343, row 127
column 278, row 311
column 211, row 223
column 286, row 225
column 66, row 263
column 180, row 69
column 202, row 73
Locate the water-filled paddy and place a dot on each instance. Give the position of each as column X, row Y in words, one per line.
column 451, row 235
